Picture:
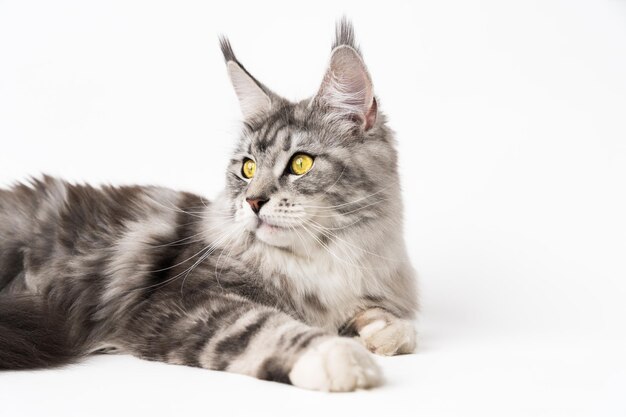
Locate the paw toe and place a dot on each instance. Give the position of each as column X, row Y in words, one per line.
column 337, row 364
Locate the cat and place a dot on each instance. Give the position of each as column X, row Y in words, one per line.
column 292, row 274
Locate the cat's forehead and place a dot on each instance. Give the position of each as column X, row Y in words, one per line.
column 273, row 136
column 277, row 135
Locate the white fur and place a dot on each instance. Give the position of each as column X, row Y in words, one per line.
column 337, row 364
column 372, row 328
column 339, row 274
column 389, row 339
column 252, row 98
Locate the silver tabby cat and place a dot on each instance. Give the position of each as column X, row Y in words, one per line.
column 292, row 274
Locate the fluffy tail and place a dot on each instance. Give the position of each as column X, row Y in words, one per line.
column 33, row 335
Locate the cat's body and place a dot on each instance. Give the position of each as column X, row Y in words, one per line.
column 259, row 281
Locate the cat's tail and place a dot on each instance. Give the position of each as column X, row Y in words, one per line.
column 33, row 334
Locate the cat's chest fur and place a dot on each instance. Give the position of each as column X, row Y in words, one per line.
column 324, row 289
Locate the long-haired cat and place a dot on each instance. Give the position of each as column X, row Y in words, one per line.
column 291, row 274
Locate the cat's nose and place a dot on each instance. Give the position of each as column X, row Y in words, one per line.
column 256, row 203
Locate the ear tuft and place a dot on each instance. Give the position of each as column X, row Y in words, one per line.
column 344, row 35
column 227, row 50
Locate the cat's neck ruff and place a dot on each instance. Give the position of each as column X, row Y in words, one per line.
column 338, row 275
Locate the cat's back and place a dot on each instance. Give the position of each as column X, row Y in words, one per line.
column 49, row 222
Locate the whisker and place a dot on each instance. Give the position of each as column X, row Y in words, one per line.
column 203, row 257
column 334, row 236
column 227, row 244
column 349, row 202
column 336, row 181
column 330, row 252
column 306, row 247
column 174, row 208
column 207, row 251
column 354, row 210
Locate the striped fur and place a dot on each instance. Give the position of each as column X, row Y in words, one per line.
column 170, row 276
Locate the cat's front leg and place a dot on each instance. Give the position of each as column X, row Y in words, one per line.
column 234, row 335
column 382, row 332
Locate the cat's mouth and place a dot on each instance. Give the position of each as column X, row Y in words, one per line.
column 271, row 227
column 278, row 234
column 272, row 234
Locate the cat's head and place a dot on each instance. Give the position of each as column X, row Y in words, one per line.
column 306, row 173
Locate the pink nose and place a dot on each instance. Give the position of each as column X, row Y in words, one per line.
column 257, row 203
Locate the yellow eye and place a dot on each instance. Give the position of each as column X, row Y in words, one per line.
column 301, row 163
column 249, row 168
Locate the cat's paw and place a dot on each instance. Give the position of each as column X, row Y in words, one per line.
column 389, row 338
column 337, row 364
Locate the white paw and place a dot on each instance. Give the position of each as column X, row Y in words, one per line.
column 336, row 364
column 394, row 338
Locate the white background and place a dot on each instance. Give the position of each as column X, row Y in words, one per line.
column 511, row 126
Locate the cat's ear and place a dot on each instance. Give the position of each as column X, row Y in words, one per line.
column 346, row 89
column 254, row 97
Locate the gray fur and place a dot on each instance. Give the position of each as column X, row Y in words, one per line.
column 344, row 35
column 170, row 276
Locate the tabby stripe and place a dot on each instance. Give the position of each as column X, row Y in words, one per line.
column 202, row 335
column 274, row 369
column 348, row 329
column 307, row 340
column 207, row 329
column 271, row 136
column 264, row 141
column 234, row 345
column 287, row 143
column 294, row 340
column 262, row 133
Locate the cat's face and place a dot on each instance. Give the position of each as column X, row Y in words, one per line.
column 305, row 173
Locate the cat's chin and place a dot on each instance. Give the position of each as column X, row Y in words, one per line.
column 277, row 236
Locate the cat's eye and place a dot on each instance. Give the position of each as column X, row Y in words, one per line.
column 300, row 164
column 249, row 168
